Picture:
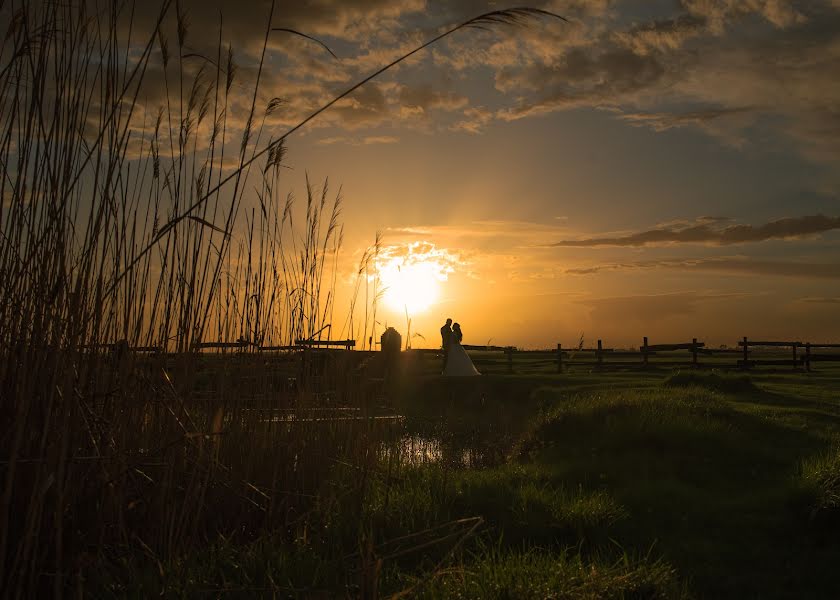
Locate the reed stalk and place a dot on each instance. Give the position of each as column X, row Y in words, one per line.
column 122, row 228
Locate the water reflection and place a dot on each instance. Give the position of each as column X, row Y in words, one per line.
column 416, row 449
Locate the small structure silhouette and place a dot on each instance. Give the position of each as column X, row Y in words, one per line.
column 391, row 345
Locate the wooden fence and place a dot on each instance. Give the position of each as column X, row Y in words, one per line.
column 796, row 359
column 299, row 345
column 749, row 354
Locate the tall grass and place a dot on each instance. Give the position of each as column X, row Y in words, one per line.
column 129, row 226
column 819, row 490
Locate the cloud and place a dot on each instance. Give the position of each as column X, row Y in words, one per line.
column 662, row 35
column 725, row 265
column 441, row 261
column 648, row 70
column 820, row 300
column 489, row 237
column 720, row 66
column 363, row 141
column 475, row 120
column 427, row 97
column 705, row 233
column 244, row 23
column 581, row 78
column 720, row 13
column 725, row 123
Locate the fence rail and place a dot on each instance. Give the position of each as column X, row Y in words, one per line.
column 751, row 353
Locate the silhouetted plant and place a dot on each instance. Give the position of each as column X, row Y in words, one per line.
column 124, row 227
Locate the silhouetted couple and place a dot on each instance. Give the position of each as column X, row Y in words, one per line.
column 456, row 361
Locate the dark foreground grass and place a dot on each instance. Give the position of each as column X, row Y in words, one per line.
column 497, row 573
column 686, row 487
column 819, row 494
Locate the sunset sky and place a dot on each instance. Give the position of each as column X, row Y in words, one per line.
column 661, row 168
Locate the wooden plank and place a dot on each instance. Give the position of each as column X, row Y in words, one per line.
column 529, row 354
column 824, row 357
column 536, row 363
column 771, row 362
column 220, row 345
column 273, row 348
column 486, row 348
column 346, row 343
column 606, row 365
column 825, row 345
column 671, row 347
column 119, row 346
column 770, row 344
column 626, row 353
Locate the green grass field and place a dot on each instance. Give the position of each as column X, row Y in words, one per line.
column 731, row 480
column 584, row 485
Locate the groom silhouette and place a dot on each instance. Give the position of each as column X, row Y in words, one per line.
column 446, row 338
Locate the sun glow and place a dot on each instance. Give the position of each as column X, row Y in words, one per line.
column 413, row 288
column 412, row 274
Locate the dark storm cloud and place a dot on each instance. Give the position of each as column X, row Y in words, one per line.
column 705, row 233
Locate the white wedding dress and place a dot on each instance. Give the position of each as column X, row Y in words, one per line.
column 458, row 363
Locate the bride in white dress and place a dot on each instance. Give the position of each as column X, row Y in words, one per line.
column 458, row 363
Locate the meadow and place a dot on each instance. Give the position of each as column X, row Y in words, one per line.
column 134, row 232
column 651, row 484
column 720, row 484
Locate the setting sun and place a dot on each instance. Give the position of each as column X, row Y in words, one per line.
column 410, row 287
column 412, row 274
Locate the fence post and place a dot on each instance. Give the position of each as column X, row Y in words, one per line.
column 599, row 356
column 808, row 356
column 509, row 351
column 645, row 352
column 559, row 358
column 694, row 352
column 746, row 351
